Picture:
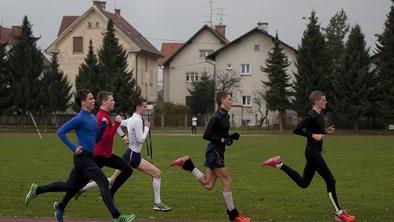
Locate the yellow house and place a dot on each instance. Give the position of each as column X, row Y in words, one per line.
column 75, row 32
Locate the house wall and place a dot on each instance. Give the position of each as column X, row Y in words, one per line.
column 70, row 61
column 188, row 60
column 243, row 52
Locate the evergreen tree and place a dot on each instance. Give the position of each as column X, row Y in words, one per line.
column 277, row 87
column 26, row 66
column 56, row 85
column 113, row 68
column 88, row 73
column 354, row 84
column 202, row 100
column 5, row 92
column 125, row 91
column 313, row 64
column 385, row 66
column 335, row 34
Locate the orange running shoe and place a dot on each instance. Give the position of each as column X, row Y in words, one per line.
column 272, row 162
column 345, row 217
column 179, row 162
column 241, row 218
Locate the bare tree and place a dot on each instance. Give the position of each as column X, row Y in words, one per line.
column 258, row 99
column 227, row 81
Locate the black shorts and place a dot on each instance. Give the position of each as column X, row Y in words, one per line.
column 132, row 158
column 214, row 159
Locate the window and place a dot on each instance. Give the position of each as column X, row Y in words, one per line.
column 246, row 100
column 205, row 52
column 78, row 44
column 246, row 69
column 229, row 67
column 89, row 25
column 256, row 47
column 97, row 25
column 191, row 76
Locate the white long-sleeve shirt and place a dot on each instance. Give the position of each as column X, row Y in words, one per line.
column 136, row 135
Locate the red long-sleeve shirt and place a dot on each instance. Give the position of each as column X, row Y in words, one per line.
column 104, row 146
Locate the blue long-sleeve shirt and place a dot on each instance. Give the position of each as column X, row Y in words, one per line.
column 86, row 128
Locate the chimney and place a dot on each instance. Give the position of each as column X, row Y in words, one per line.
column 99, row 4
column 15, row 30
column 221, row 29
column 117, row 12
column 263, row 26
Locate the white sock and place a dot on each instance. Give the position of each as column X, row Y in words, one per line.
column 197, row 173
column 279, row 165
column 339, row 212
column 228, row 198
column 156, row 188
column 89, row 186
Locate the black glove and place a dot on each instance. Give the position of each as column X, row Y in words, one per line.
column 103, row 125
column 234, row 136
column 228, row 141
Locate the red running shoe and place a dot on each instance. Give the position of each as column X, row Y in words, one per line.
column 272, row 162
column 345, row 217
column 179, row 162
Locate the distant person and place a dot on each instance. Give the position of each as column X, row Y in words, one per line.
column 217, row 133
column 312, row 127
column 85, row 169
column 194, row 125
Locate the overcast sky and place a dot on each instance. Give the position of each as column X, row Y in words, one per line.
column 178, row 20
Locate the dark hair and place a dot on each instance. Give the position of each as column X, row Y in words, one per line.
column 81, row 95
column 220, row 96
column 138, row 102
column 102, row 96
column 315, row 96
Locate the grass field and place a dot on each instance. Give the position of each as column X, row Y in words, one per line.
column 362, row 165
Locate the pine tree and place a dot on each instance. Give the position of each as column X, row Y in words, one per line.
column 277, row 87
column 202, row 100
column 354, row 84
column 125, row 91
column 5, row 91
column 88, row 73
column 113, row 68
column 313, row 64
column 335, row 34
column 26, row 66
column 385, row 66
column 56, row 85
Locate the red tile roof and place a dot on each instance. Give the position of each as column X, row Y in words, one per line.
column 123, row 25
column 6, row 36
column 66, row 22
column 167, row 50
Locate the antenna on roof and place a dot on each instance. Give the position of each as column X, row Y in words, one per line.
column 210, row 22
column 221, row 15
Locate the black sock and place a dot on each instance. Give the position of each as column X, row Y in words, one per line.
column 188, row 165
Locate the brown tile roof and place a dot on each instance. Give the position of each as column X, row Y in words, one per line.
column 167, row 50
column 66, row 22
column 6, row 36
column 123, row 25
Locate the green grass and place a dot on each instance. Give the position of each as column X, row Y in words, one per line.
column 362, row 165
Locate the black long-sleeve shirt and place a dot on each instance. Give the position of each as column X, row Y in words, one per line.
column 217, row 128
column 313, row 123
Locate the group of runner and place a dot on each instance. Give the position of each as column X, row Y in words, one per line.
column 95, row 137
